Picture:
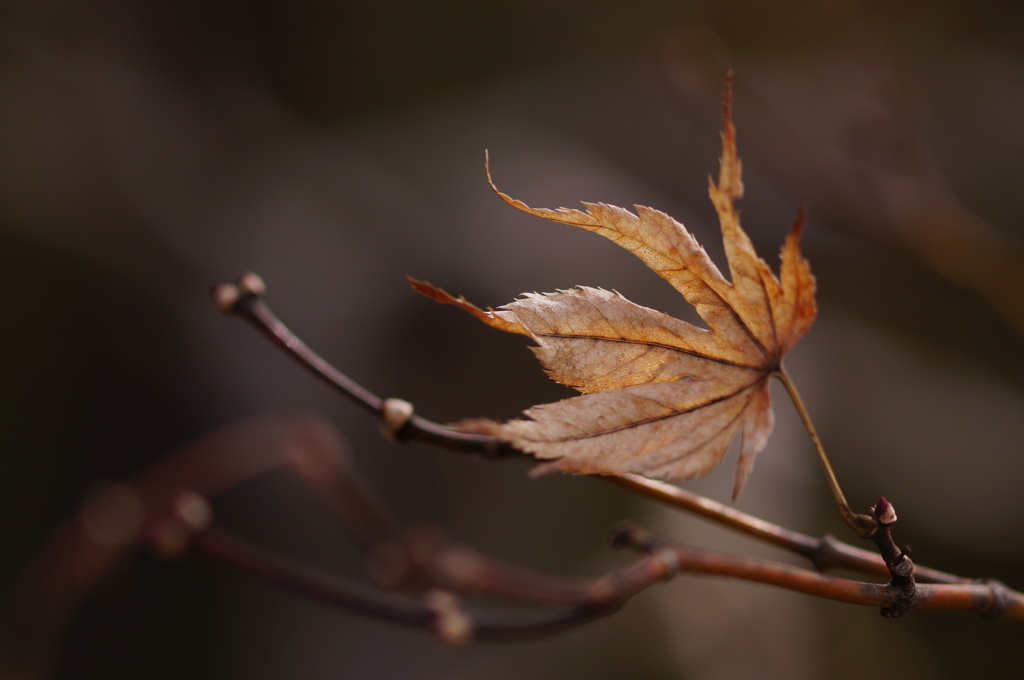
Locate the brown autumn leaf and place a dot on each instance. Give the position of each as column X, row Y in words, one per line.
column 661, row 397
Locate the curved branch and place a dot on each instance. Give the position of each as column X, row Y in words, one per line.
column 244, row 300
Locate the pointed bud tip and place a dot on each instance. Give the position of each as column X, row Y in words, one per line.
column 884, row 512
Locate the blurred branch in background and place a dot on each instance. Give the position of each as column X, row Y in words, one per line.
column 122, row 516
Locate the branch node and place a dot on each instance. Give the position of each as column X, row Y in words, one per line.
column 1000, row 601
column 826, row 553
column 668, row 560
column 395, row 413
column 189, row 514
column 865, row 526
column 451, row 625
column 626, row 534
column 903, row 567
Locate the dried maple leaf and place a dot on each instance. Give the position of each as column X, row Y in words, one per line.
column 661, row 397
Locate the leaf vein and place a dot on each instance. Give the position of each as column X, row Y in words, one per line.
column 661, row 345
column 655, row 419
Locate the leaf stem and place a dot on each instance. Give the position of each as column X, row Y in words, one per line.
column 863, row 525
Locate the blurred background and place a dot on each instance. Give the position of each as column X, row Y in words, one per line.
column 150, row 150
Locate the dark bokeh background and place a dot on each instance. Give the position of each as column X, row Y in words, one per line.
column 149, row 150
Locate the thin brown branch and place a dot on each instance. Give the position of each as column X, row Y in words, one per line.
column 989, row 598
column 244, row 300
column 221, row 546
column 350, row 498
column 428, row 558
